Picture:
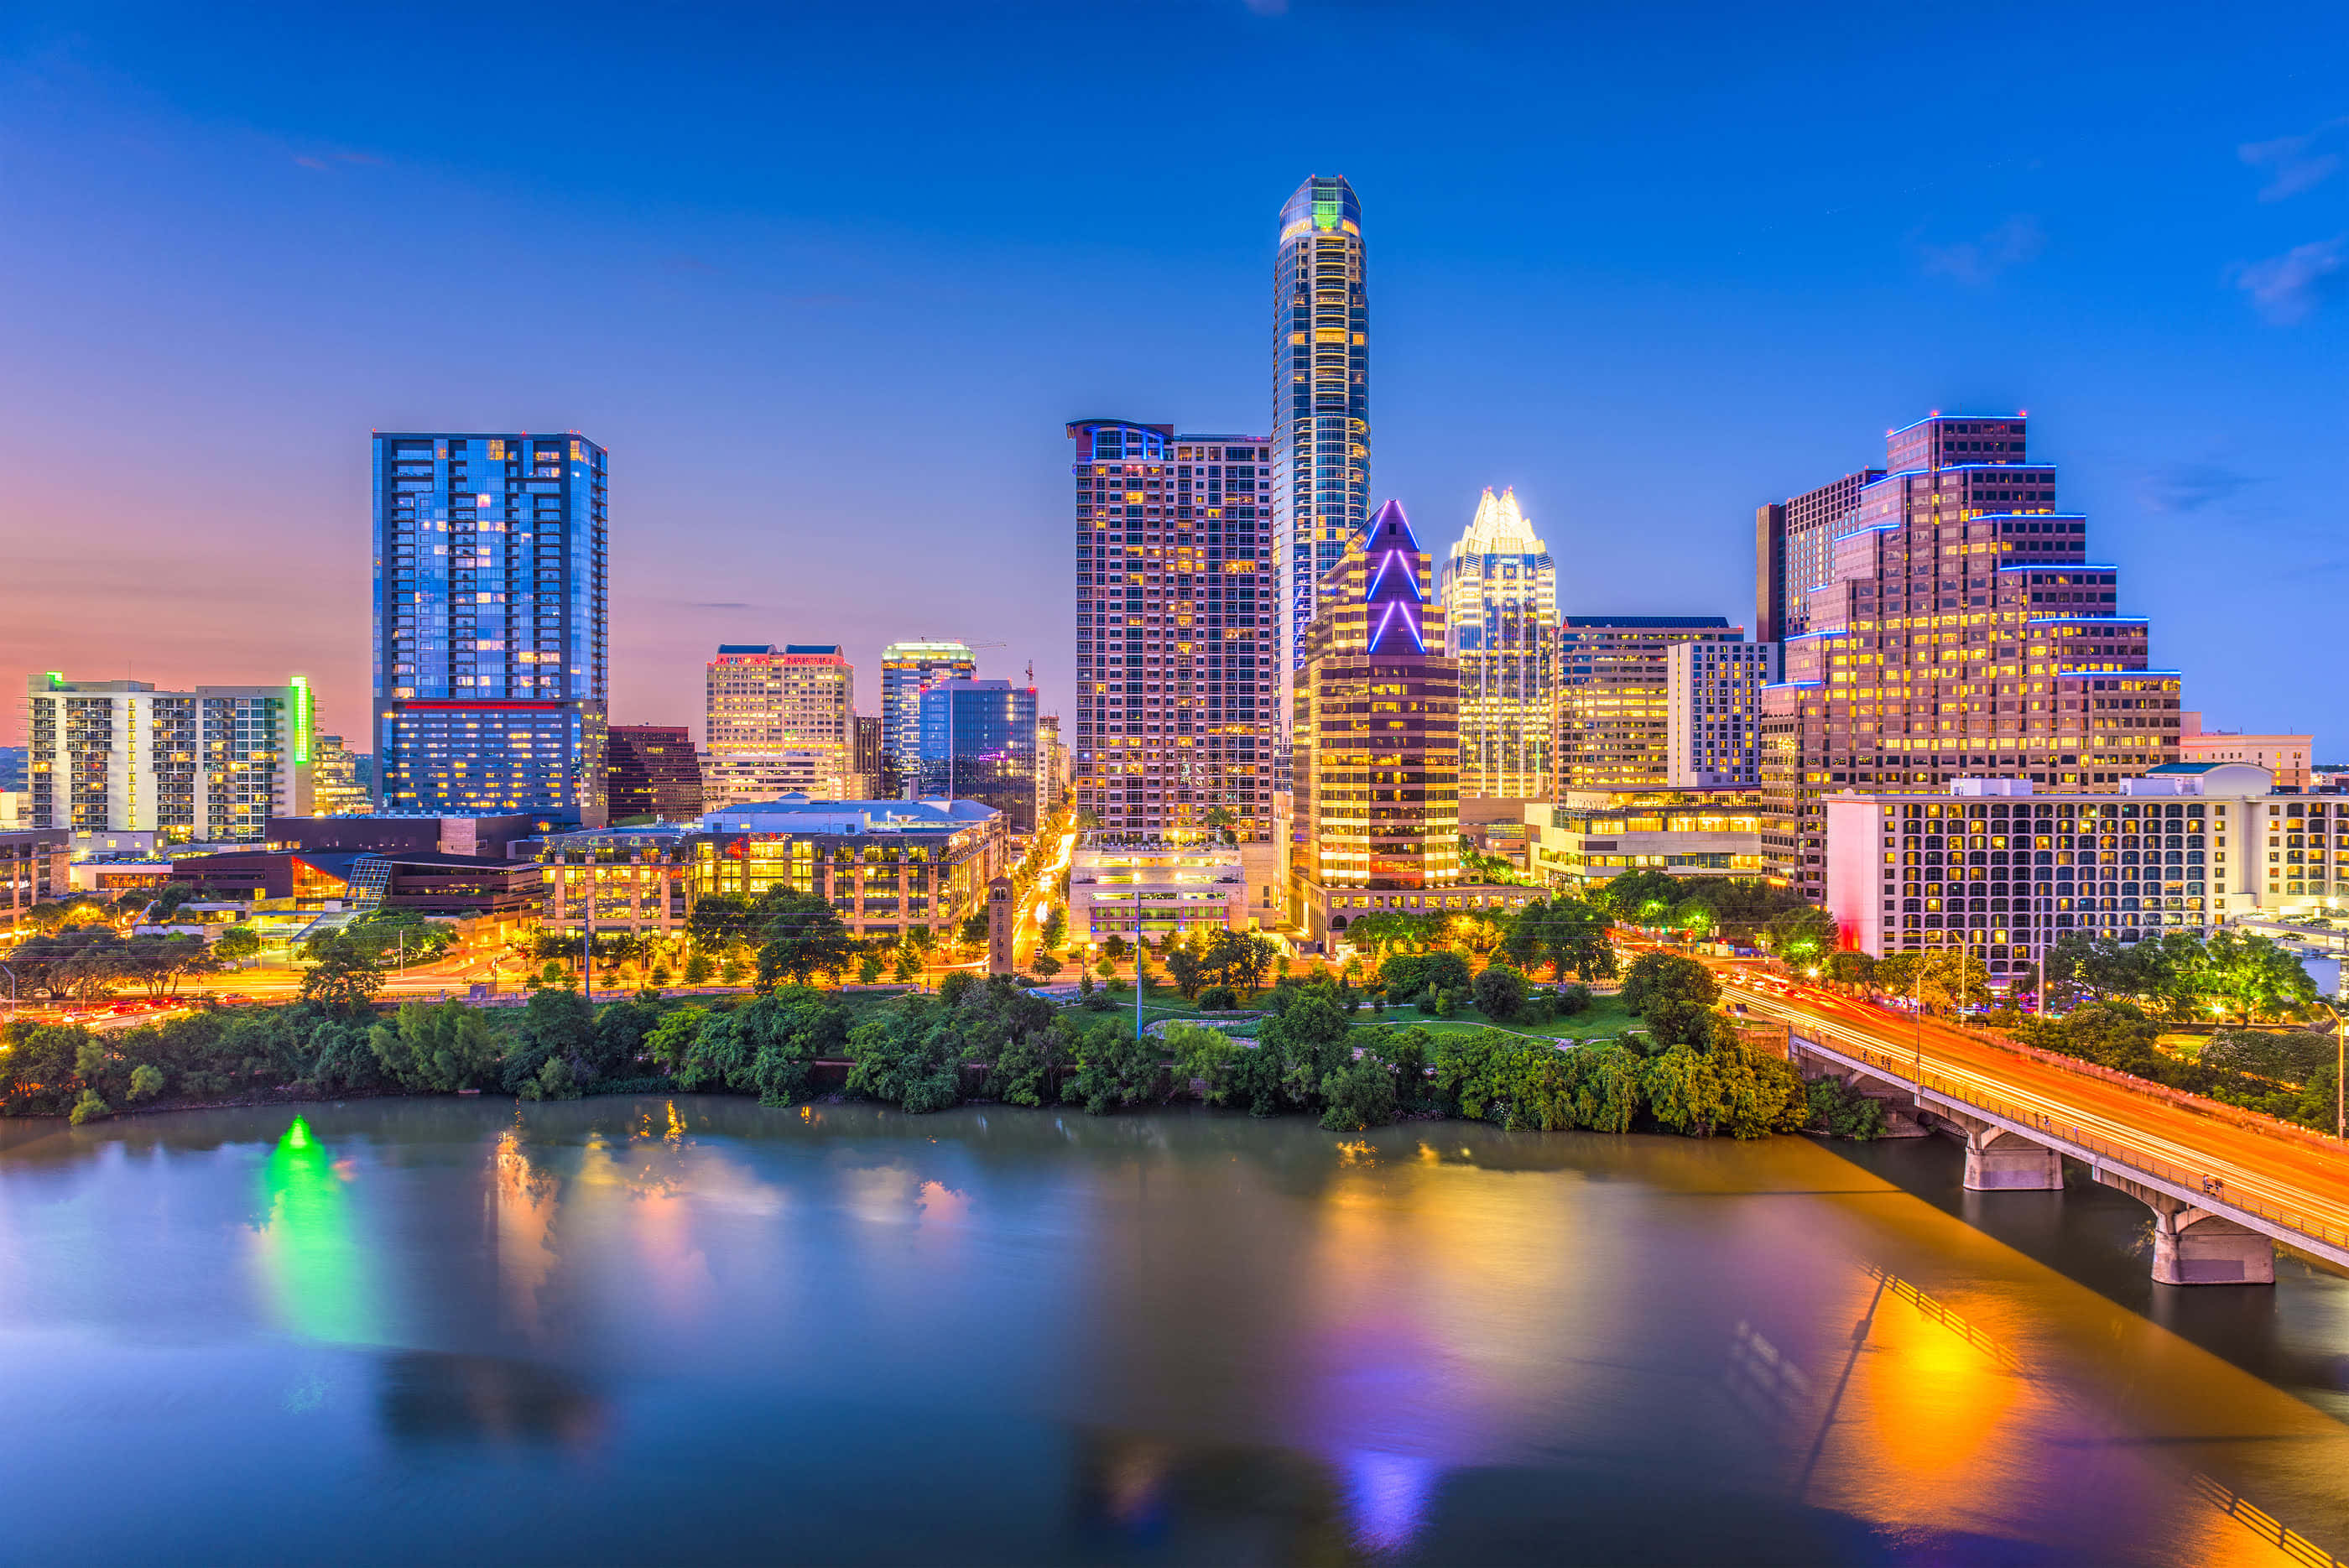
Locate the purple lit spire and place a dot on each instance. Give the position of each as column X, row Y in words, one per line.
column 1391, row 592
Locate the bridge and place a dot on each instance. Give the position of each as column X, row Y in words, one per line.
column 2224, row 1186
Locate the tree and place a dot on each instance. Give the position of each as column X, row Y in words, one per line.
column 2293, row 1056
column 1850, row 967
column 1115, row 1068
column 344, row 976
column 1359, row 1094
column 2251, row 976
column 237, row 944
column 436, row 1050
column 1667, row 977
column 1114, row 947
column 805, row 936
column 1952, row 978
column 1184, row 967
column 1055, row 934
column 974, row 931
column 1803, row 936
column 1500, row 993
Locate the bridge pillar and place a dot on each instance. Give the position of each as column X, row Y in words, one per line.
column 2001, row 1161
column 2196, row 1247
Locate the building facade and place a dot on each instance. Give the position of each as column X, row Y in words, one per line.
column 979, row 742
column 213, row 762
column 1376, row 727
column 2005, row 866
column 336, row 788
column 1175, row 724
column 1586, row 838
column 1052, row 766
column 907, row 668
column 890, row 867
column 1614, row 696
column 1154, row 891
column 632, row 880
column 652, row 771
column 1712, row 691
column 490, row 660
column 1499, row 590
column 880, row 779
column 2289, row 757
column 1320, row 397
column 1962, row 629
column 1792, row 543
column 34, row 868
column 778, row 719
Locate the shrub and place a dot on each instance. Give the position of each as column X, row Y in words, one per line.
column 1840, row 1111
column 1570, row 1000
column 1500, row 993
column 1219, row 999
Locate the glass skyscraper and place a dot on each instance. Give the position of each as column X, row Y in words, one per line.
column 908, row 668
column 979, row 742
column 490, row 651
column 1500, row 608
column 1320, row 397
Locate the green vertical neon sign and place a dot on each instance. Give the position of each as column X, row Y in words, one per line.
column 301, row 719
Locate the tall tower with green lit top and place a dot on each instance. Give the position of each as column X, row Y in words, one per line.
column 1320, row 397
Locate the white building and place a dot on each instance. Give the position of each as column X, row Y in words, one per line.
column 211, row 764
column 1155, row 891
column 2005, row 868
column 1499, row 590
column 1712, row 722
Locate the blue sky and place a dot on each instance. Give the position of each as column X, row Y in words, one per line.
column 828, row 281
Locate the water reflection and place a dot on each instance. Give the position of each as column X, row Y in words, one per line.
column 316, row 1267
column 430, row 1398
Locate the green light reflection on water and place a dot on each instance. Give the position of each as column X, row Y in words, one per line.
column 315, row 1271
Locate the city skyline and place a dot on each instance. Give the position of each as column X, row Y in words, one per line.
column 2001, row 266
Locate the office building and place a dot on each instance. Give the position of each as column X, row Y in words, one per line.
column 880, row 781
column 617, row 881
column 1376, row 730
column 1962, row 630
column 335, row 787
column 1175, row 723
column 779, row 721
column 36, row 868
column 2289, row 757
column 1500, row 612
column 979, row 742
column 1712, row 694
column 891, row 867
column 491, row 663
column 2005, row 866
column 1320, row 397
column 213, row 762
column 1793, row 540
column 652, row 771
column 1614, row 696
column 1586, row 838
column 907, row 668
column 1052, row 766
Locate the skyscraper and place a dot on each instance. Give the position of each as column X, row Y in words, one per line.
column 1792, row 539
column 1959, row 628
column 779, row 721
column 1320, row 396
column 209, row 763
column 1614, row 727
column 652, row 771
column 979, row 742
column 490, row 652
column 906, row 668
column 1713, row 702
column 1175, row 637
column 1376, row 729
column 1500, row 612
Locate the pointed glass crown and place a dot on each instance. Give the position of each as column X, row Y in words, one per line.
column 1391, row 592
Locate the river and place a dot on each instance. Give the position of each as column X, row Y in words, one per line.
column 654, row 1330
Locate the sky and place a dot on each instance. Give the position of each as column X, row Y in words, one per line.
column 829, row 281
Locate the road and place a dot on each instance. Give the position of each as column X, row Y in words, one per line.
column 2281, row 1172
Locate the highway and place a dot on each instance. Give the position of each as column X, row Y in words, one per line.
column 2303, row 1184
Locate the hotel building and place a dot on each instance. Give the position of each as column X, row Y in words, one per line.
column 1712, row 694
column 209, row 763
column 1175, row 723
column 779, row 721
column 1959, row 629
column 491, row 671
column 1499, row 590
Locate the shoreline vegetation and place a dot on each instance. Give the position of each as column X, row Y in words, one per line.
column 1317, row 1051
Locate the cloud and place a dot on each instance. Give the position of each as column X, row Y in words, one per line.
column 718, row 604
column 311, row 162
column 326, row 161
column 2290, row 288
column 2190, row 486
column 1977, row 261
column 2295, row 162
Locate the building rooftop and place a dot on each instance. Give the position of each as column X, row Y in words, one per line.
column 800, row 813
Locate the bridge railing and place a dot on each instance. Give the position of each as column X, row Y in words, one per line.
column 1902, row 1068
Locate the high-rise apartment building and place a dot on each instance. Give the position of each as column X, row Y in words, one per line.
column 1614, row 696
column 336, row 786
column 1961, row 628
column 1377, row 726
column 1052, row 765
column 779, row 721
column 1499, row 590
column 491, row 663
column 1320, row 396
column 872, row 768
column 1792, row 540
column 652, row 771
column 1176, row 634
column 907, row 670
column 1713, row 728
column 979, row 742
column 209, row 763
